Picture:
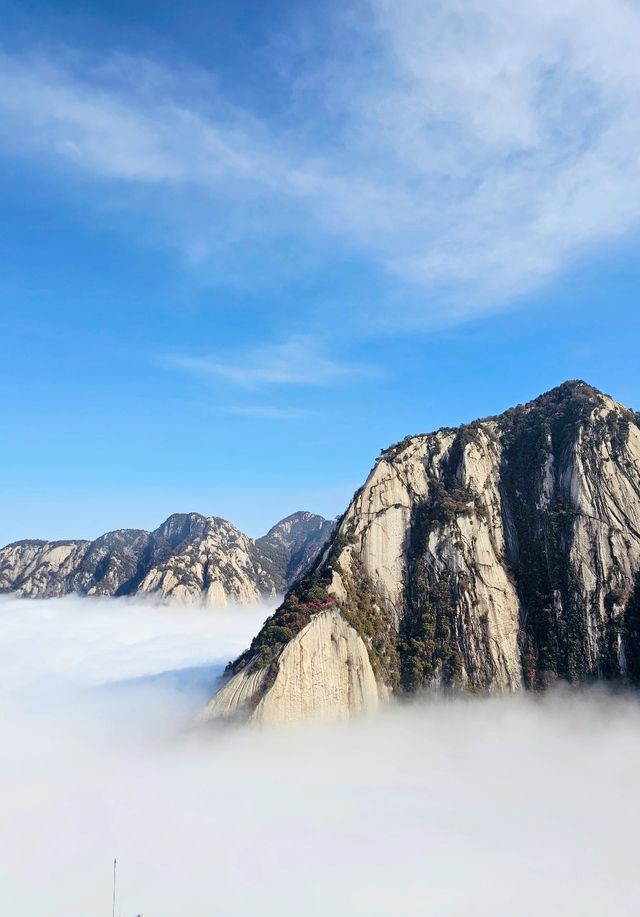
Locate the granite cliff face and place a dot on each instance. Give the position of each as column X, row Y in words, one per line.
column 189, row 558
column 494, row 557
column 323, row 671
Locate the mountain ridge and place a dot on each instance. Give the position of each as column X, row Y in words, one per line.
column 497, row 556
column 188, row 558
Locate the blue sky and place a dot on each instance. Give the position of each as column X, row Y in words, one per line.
column 246, row 246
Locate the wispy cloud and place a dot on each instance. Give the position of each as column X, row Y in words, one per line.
column 474, row 147
column 298, row 361
column 270, row 412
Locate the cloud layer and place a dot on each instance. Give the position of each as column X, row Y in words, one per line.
column 495, row 807
column 468, row 150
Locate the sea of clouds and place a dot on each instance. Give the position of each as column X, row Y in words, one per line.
column 485, row 807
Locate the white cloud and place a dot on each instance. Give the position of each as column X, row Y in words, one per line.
column 469, row 149
column 82, row 643
column 297, row 361
column 491, row 807
column 520, row 123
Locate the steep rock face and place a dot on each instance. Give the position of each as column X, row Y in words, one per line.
column 35, row 568
column 324, row 671
column 110, row 565
column 195, row 558
column 189, row 558
column 500, row 555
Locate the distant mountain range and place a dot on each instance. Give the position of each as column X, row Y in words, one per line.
column 189, row 559
column 498, row 556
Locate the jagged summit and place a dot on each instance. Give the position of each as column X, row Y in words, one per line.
column 188, row 558
column 496, row 556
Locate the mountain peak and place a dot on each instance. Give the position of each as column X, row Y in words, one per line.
column 573, row 390
column 497, row 556
column 294, row 522
column 575, row 386
column 295, row 540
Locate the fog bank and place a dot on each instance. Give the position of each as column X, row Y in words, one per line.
column 508, row 807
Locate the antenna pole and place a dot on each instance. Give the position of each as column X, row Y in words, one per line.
column 113, row 912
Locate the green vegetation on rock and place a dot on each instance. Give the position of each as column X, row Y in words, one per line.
column 308, row 597
column 366, row 613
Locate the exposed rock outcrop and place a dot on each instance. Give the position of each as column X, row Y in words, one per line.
column 189, row 558
column 324, row 671
column 498, row 556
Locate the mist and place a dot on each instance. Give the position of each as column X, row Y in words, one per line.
column 512, row 806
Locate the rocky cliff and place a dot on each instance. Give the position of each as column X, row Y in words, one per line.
column 189, row 558
column 494, row 557
column 323, row 671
